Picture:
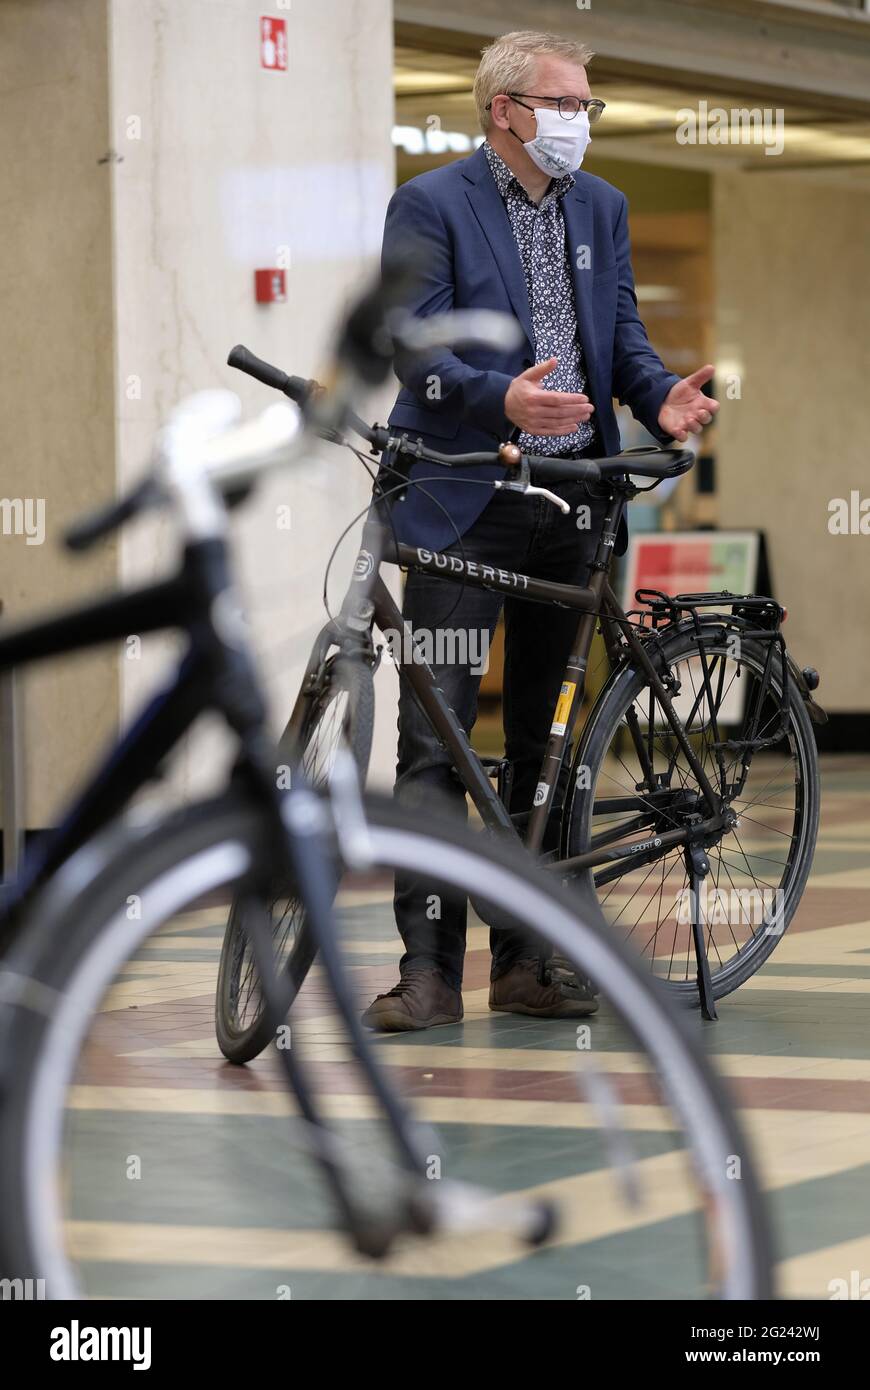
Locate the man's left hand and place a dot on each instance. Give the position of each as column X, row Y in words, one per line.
column 685, row 409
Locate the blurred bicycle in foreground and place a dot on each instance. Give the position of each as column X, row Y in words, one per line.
column 134, row 1163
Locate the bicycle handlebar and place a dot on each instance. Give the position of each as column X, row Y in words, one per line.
column 644, row 462
column 82, row 534
column 541, row 468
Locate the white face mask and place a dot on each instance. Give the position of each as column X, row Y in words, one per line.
column 559, row 146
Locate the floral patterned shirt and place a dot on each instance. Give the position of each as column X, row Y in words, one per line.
column 539, row 230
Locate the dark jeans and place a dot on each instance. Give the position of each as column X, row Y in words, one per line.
column 528, row 535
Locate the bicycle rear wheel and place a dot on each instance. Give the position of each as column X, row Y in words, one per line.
column 341, row 712
column 637, row 783
column 131, row 1165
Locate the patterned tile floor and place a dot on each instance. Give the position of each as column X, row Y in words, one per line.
column 183, row 1176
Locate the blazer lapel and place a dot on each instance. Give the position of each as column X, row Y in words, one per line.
column 492, row 215
column 579, row 234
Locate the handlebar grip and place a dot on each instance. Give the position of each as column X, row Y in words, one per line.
column 296, row 387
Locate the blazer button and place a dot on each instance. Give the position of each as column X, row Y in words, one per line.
column 527, row 363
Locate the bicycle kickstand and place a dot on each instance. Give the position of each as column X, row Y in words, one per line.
column 697, row 868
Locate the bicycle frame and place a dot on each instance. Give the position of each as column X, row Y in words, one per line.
column 211, row 675
column 369, row 603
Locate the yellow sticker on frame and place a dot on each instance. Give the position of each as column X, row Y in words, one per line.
column 563, row 707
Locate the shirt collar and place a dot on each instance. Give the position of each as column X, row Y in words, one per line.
column 506, row 181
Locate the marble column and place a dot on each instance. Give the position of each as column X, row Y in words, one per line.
column 151, row 164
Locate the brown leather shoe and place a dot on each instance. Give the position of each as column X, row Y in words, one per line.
column 518, row 991
column 421, row 999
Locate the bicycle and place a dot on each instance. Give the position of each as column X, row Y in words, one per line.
column 65, row 1034
column 700, row 731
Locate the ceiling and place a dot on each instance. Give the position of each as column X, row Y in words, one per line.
column 435, row 107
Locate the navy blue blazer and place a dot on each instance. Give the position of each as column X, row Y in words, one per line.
column 469, row 260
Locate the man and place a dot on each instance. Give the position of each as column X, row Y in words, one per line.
column 514, row 227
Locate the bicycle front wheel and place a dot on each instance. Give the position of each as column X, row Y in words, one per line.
column 340, row 713
column 131, row 1164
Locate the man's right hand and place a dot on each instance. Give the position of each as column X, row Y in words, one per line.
column 538, row 411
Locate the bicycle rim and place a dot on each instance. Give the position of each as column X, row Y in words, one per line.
column 757, row 871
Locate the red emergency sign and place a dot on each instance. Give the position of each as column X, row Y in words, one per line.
column 270, row 287
column 273, row 43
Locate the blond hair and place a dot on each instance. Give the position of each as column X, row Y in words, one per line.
column 508, row 64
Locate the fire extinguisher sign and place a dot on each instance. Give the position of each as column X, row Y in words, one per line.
column 273, row 44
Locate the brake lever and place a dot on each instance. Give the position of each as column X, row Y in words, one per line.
column 531, row 490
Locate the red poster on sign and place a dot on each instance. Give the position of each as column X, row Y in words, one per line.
column 273, row 43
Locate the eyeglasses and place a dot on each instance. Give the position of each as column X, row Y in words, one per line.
column 568, row 106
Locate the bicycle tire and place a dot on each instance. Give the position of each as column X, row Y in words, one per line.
column 597, row 739
column 80, row 935
column 241, row 1039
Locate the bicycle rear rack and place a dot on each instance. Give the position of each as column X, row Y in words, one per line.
column 668, row 607
column 760, row 618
